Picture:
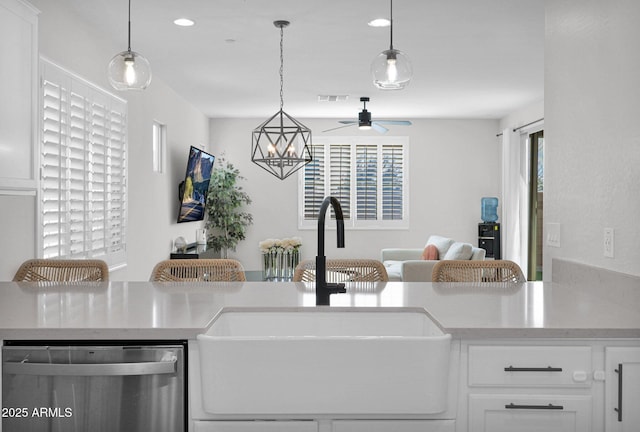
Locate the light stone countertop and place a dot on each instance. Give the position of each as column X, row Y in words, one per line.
column 146, row 310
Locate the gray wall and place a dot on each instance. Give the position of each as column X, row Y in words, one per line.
column 592, row 141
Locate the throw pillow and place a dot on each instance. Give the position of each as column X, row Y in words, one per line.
column 441, row 243
column 459, row 251
column 430, row 252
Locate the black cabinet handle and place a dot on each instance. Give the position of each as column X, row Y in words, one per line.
column 619, row 409
column 530, row 369
column 540, row 407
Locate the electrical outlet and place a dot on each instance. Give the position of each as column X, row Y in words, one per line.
column 608, row 242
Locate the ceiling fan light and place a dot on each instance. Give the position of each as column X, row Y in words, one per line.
column 364, row 118
column 391, row 70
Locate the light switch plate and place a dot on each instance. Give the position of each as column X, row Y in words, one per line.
column 609, row 235
column 553, row 235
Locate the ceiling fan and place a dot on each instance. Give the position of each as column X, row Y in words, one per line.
column 364, row 121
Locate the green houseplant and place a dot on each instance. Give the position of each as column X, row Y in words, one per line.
column 227, row 222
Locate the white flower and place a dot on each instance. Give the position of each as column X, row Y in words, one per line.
column 291, row 243
column 274, row 245
column 266, row 245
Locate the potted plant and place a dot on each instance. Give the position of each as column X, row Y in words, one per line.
column 227, row 222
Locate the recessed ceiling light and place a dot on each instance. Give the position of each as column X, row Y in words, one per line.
column 379, row 22
column 184, row 22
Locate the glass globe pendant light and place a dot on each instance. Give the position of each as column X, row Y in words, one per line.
column 129, row 70
column 391, row 69
column 280, row 145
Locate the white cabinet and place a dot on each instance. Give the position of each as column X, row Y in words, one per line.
column 529, row 388
column 622, row 391
column 529, row 366
column 332, row 426
column 549, row 413
column 18, row 87
column 394, row 426
column 255, row 426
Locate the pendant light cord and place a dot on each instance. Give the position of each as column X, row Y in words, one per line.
column 390, row 26
column 281, row 67
column 129, row 39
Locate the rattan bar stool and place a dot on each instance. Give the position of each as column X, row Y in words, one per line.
column 477, row 271
column 343, row 270
column 211, row 270
column 62, row 270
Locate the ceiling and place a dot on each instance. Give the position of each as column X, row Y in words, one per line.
column 471, row 58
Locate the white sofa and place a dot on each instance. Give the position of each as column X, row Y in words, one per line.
column 408, row 266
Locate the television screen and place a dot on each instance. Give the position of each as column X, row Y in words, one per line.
column 193, row 191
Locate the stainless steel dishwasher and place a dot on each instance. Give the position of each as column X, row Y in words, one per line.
column 106, row 388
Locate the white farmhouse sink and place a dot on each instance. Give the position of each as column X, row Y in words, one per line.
column 324, row 361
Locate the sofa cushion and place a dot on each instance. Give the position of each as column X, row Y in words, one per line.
column 478, row 254
column 441, row 243
column 459, row 251
column 430, row 252
column 394, row 270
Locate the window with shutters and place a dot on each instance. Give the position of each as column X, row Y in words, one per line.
column 83, row 184
column 368, row 176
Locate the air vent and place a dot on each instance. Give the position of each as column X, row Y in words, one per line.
column 332, row 98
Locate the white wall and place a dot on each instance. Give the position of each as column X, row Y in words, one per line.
column 453, row 164
column 524, row 116
column 18, row 242
column 592, row 140
column 153, row 202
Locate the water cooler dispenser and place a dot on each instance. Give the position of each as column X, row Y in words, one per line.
column 489, row 228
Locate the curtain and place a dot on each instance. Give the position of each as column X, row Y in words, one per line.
column 515, row 197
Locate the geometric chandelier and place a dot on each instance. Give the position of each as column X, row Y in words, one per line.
column 280, row 144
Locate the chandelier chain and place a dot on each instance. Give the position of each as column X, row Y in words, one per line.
column 281, row 67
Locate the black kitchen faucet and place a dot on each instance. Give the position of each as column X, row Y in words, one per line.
column 324, row 289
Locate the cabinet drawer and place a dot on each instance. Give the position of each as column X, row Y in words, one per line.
column 394, row 425
column 529, row 366
column 255, row 426
column 508, row 413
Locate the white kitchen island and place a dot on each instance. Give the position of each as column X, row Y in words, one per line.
column 522, row 356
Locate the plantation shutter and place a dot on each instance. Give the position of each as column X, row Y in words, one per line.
column 367, row 181
column 367, row 175
column 314, row 184
column 392, row 182
column 55, row 215
column 83, row 180
column 340, row 176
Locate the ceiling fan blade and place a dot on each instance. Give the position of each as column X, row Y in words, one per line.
column 378, row 127
column 394, row 122
column 339, row 127
column 348, row 121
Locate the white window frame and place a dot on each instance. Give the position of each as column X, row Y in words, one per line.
column 352, row 222
column 159, row 144
column 82, row 203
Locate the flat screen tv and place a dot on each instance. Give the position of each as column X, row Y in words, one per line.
column 193, row 190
